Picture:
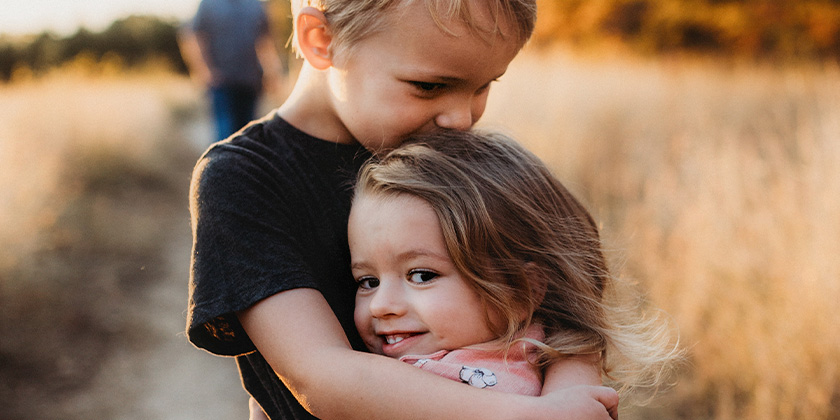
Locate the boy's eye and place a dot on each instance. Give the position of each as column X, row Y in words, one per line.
column 368, row 283
column 421, row 276
column 485, row 87
column 427, row 87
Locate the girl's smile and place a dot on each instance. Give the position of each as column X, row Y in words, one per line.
column 394, row 343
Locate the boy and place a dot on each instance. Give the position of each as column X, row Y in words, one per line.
column 270, row 280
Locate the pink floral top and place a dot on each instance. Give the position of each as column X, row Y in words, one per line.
column 485, row 368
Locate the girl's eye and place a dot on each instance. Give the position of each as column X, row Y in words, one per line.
column 427, row 87
column 368, row 283
column 421, row 276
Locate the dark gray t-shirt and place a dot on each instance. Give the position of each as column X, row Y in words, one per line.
column 269, row 210
column 229, row 30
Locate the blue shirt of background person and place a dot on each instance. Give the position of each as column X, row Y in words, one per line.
column 228, row 49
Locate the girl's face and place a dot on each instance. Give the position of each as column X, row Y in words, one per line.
column 411, row 299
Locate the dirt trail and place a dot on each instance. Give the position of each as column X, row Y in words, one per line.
column 168, row 378
column 163, row 376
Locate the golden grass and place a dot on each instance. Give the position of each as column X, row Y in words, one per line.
column 719, row 188
column 94, row 169
column 72, row 123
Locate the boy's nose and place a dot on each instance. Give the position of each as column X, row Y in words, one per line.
column 458, row 116
column 388, row 300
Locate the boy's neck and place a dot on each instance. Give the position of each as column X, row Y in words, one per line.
column 308, row 108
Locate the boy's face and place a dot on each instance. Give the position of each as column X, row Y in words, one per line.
column 413, row 77
column 411, row 299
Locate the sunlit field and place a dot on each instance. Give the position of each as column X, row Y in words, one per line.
column 716, row 186
column 86, row 123
column 718, row 190
column 94, row 164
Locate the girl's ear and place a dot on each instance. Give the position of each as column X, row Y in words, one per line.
column 314, row 37
column 539, row 284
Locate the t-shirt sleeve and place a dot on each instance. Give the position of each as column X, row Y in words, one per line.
column 243, row 248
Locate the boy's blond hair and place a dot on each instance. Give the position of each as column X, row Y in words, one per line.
column 350, row 21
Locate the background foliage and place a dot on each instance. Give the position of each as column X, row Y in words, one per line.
column 761, row 29
column 129, row 42
column 753, row 29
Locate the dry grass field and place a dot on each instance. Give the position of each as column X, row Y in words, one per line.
column 718, row 190
column 716, row 185
column 94, row 227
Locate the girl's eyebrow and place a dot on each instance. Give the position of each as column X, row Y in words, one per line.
column 404, row 256
column 358, row 265
column 415, row 253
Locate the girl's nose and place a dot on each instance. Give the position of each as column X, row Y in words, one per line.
column 388, row 300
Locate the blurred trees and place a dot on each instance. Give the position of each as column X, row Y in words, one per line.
column 758, row 29
column 132, row 42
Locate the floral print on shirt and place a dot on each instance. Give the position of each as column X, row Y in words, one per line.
column 478, row 377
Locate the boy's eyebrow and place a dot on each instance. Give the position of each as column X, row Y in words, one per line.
column 446, row 79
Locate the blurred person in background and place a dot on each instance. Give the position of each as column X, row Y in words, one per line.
column 229, row 50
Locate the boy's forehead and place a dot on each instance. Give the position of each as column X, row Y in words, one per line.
column 451, row 51
column 485, row 17
column 454, row 17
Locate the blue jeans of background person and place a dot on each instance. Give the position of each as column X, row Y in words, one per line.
column 233, row 108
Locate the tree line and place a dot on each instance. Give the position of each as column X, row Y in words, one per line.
column 134, row 41
column 755, row 29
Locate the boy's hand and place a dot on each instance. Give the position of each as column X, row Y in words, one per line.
column 584, row 402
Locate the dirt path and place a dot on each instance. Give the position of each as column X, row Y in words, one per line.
column 165, row 377
column 168, row 378
column 175, row 380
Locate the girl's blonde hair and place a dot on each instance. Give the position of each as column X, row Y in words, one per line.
column 350, row 21
column 529, row 248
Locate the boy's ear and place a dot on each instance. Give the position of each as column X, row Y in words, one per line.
column 314, row 37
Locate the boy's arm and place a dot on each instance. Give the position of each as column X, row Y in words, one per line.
column 578, row 370
column 298, row 334
column 255, row 412
column 575, row 371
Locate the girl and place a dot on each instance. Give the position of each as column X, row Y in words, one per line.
column 474, row 262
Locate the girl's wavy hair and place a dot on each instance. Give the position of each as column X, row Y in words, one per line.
column 351, row 21
column 527, row 246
